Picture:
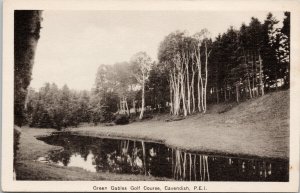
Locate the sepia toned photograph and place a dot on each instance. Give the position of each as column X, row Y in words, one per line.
column 149, row 100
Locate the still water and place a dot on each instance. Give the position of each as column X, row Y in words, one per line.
column 155, row 159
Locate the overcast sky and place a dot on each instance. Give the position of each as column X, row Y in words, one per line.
column 74, row 43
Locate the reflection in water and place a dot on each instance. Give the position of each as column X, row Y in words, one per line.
column 77, row 161
column 148, row 158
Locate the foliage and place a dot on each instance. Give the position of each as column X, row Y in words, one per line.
column 26, row 34
column 121, row 120
column 191, row 71
column 141, row 66
column 56, row 108
column 157, row 88
column 247, row 62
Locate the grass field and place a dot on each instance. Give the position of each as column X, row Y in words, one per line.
column 257, row 127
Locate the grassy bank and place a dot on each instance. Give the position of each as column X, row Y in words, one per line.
column 257, row 127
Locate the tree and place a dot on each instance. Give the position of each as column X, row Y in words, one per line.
column 285, row 51
column 169, row 56
column 142, row 65
column 27, row 25
column 157, row 88
column 191, row 72
column 84, row 101
column 203, row 40
column 186, row 58
column 52, row 107
column 125, row 86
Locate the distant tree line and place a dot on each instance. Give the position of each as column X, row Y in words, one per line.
column 191, row 71
column 52, row 107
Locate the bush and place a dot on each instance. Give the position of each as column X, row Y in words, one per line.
column 147, row 116
column 226, row 108
column 121, row 120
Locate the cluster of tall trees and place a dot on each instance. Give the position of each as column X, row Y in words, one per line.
column 52, row 107
column 131, row 87
column 191, row 71
column 120, row 88
column 248, row 62
column 239, row 64
column 186, row 59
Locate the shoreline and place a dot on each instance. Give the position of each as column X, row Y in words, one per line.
column 28, row 168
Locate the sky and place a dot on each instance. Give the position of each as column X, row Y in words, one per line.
column 73, row 44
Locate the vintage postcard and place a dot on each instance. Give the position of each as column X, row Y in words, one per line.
column 150, row 96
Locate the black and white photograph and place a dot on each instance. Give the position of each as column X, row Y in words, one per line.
column 151, row 100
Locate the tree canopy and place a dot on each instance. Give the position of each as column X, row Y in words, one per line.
column 191, row 72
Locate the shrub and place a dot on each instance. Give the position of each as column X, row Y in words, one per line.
column 121, row 120
column 147, row 116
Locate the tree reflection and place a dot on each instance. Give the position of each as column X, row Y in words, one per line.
column 147, row 158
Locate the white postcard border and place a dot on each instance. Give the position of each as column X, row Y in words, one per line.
column 8, row 184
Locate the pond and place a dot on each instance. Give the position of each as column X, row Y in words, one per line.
column 124, row 156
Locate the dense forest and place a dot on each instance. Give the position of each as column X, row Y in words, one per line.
column 192, row 71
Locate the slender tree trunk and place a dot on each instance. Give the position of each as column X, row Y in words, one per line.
column 199, row 94
column 143, row 98
column 127, row 109
column 253, row 76
column 206, row 76
column 276, row 78
column 248, row 75
column 193, row 91
column 171, row 96
column 249, row 87
column 202, row 93
column 188, row 89
column 218, row 100
column 176, row 93
column 176, row 96
column 237, row 92
column 225, row 93
column 261, row 76
column 199, row 82
column 183, row 95
column 256, row 82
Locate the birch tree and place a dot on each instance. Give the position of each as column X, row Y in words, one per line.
column 142, row 66
column 202, row 38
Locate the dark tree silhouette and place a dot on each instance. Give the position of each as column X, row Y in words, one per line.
column 27, row 27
